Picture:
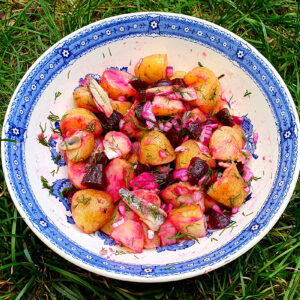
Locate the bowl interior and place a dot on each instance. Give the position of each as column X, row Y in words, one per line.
column 48, row 88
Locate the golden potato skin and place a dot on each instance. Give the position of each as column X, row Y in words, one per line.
column 84, row 151
column 192, row 150
column 91, row 209
column 229, row 189
column 152, row 68
column 208, row 89
column 84, row 99
column 153, row 145
column 121, row 107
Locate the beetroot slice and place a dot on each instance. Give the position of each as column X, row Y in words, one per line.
column 197, row 169
column 95, row 177
column 217, row 221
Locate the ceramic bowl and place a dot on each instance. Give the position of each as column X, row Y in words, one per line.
column 119, row 42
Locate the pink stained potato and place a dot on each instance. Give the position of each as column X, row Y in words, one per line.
column 85, row 150
column 80, row 119
column 76, row 172
column 180, row 193
column 150, row 242
column 91, row 209
column 116, row 84
column 147, row 195
column 167, row 233
column 131, row 126
column 227, row 142
column 189, row 220
column 162, row 106
column 130, row 234
column 116, row 143
column 119, row 172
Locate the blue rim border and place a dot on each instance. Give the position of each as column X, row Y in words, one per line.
column 149, row 24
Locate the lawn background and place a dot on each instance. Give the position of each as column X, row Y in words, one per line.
column 30, row 270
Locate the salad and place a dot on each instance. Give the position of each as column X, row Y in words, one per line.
column 155, row 158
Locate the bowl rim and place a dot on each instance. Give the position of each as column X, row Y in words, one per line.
column 168, row 277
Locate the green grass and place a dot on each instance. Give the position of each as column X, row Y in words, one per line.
column 30, row 270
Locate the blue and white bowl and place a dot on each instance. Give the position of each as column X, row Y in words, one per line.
column 120, row 42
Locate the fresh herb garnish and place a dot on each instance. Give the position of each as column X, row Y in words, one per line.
column 42, row 138
column 199, row 64
column 213, row 94
column 82, row 200
column 53, row 118
column 46, row 185
column 57, row 94
column 221, row 76
column 247, row 94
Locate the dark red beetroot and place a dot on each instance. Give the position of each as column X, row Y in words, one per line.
column 240, row 167
column 196, row 170
column 68, row 193
column 140, row 168
column 224, row 117
column 217, row 221
column 178, row 81
column 162, row 82
column 111, row 123
column 194, row 129
column 174, row 137
column 95, row 177
column 138, row 113
column 143, row 96
column 100, row 158
column 138, row 84
column 163, row 179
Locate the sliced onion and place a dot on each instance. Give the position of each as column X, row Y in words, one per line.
column 234, row 210
column 248, row 174
column 147, row 112
column 149, row 124
column 198, row 198
column 205, row 135
column 167, row 126
column 217, row 208
column 161, row 126
column 180, row 149
column 150, row 234
column 121, row 209
column 144, row 181
column 181, row 190
column 169, row 71
column 162, row 154
column 181, row 174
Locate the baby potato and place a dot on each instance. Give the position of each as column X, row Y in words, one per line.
column 116, row 144
column 80, row 119
column 119, row 172
column 84, row 99
column 229, row 189
column 85, row 150
column 152, row 68
column 121, row 107
column 227, row 142
column 76, row 172
column 207, row 86
column 197, row 113
column 162, row 106
column 116, row 84
column 189, row 219
column 91, row 209
column 130, row 125
column 155, row 149
column 193, row 149
column 173, row 192
column 108, row 228
column 178, row 74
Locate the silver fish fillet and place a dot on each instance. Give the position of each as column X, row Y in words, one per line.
column 149, row 213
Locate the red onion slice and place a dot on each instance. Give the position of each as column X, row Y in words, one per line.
column 181, row 174
column 169, row 71
column 147, row 113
